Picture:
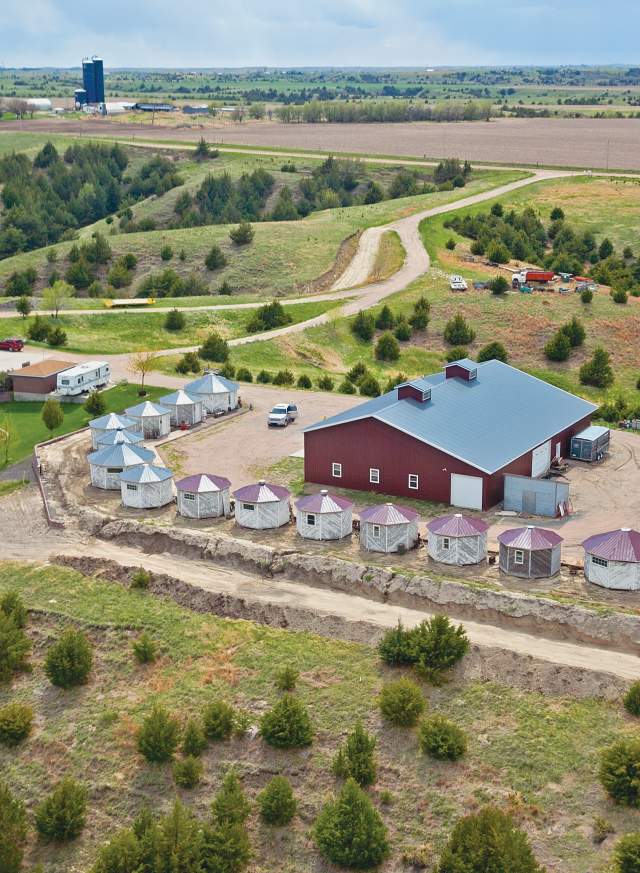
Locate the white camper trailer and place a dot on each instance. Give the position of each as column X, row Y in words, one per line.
column 84, row 377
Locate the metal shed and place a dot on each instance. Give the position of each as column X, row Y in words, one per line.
column 153, row 419
column 547, row 497
column 262, row 506
column 457, row 539
column 203, row 496
column 530, row 552
column 323, row 516
column 591, row 444
column 108, row 463
column 217, row 393
column 388, row 528
column 111, row 421
column 146, row 486
column 118, row 436
column 186, row 409
column 612, row 559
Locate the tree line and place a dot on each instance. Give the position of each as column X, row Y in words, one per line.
column 363, row 112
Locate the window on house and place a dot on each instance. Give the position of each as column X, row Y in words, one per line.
column 311, row 519
column 336, row 470
column 413, row 481
column 601, row 562
column 518, row 556
column 446, row 543
column 114, row 469
column 374, row 476
column 132, row 487
column 189, row 496
column 249, row 506
column 376, row 530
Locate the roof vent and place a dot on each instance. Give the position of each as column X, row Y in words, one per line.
column 625, row 529
column 324, row 492
column 457, row 515
column 262, row 482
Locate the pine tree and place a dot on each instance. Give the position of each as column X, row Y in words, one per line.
column 230, row 806
column 402, row 702
column 68, row 661
column 13, row 832
column 420, row 318
column 158, row 735
column 218, row 720
column 385, row 319
column 95, row 404
column 357, row 759
column 14, row 648
column 277, row 803
column 11, row 604
column 62, row 815
column 363, row 326
column 52, row 414
column 287, row 725
column 349, row 831
column 598, row 370
column 215, row 258
column 194, row 741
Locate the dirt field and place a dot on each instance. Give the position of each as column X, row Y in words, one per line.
column 575, row 142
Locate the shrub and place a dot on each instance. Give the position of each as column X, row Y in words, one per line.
column 325, row 383
column 304, row 381
column 52, row 414
column 437, row 645
column 158, row 735
column 12, row 606
column 387, row 348
column 499, row 286
column 395, row 646
column 13, row 833
column 619, row 296
column 187, row 772
column 287, row 724
column 264, row 377
column 95, row 404
column 286, row 679
column 95, row 289
column 215, row 258
column 457, row 331
column 243, row 234
column 498, row 253
column 144, row 649
column 68, row 661
column 385, row 319
column 631, row 700
column 487, row 840
column 356, row 759
column 456, row 354
column 225, row 289
column 276, row 802
column 230, row 806
column 370, row 387
column 419, row 320
column 601, row 829
column 620, row 771
column 363, row 326
column 214, row 348
column 349, row 831
column 557, row 214
column 56, row 337
column 189, row 363
column 244, row 375
column 228, row 370
column 141, row 579
column 118, row 276
column 402, row 702
column 627, row 854
column 166, row 253
column 450, row 244
column 38, row 329
column 357, row 373
column 586, row 295
column 575, row 332
column 194, row 741
column 558, row 347
column 14, row 648
column 441, row 738
column 218, row 720
column 62, row 815
column 174, row 320
column 493, row 351
column 16, row 721
column 283, row 377
column 598, row 370
column 402, row 330
column 182, row 255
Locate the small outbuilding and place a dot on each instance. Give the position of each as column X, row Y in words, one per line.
column 324, row 516
column 203, row 496
column 612, row 559
column 146, row 486
column 109, row 462
column 186, row 409
column 262, row 506
column 118, row 436
column 530, row 552
column 457, row 539
column 388, row 528
column 217, row 393
column 153, row 419
column 591, row 444
column 111, row 421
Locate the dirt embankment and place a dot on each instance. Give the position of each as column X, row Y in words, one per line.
column 346, row 253
column 481, row 664
column 509, row 610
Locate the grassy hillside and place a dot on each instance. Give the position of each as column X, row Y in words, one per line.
column 534, row 755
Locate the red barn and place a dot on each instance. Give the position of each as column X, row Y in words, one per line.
column 449, row 438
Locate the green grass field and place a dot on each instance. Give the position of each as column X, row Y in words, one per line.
column 536, row 756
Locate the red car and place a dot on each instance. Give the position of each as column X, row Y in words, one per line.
column 11, row 344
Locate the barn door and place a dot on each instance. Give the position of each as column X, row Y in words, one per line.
column 541, row 459
column 466, row 491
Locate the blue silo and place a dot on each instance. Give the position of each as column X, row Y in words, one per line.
column 88, row 80
column 98, row 79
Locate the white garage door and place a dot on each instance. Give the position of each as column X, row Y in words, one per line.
column 541, row 459
column 466, row 491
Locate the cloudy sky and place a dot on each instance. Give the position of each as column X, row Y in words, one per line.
column 212, row 33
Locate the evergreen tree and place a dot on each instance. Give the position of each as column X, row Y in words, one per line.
column 356, row 759
column 620, row 771
column 493, row 351
column 457, row 331
column 158, row 735
column 575, row 332
column 16, row 721
column 597, row 371
column 387, row 348
column 349, row 831
column 285, row 208
column 276, row 802
column 174, row 320
column 442, row 739
column 144, row 649
column 230, row 806
column 13, row 831
column 420, row 318
column 14, row 648
column 499, row 286
column 631, row 700
column 385, row 319
column 558, row 347
column 370, row 387
column 363, row 326
column 395, row 646
column 215, row 258
column 402, row 702
column 68, row 661
column 214, row 348
column 52, row 415
column 61, row 816
column 627, row 854
column 23, row 306
column 201, row 151
column 177, row 841
column 194, row 741
column 95, row 404
column 218, row 720
column 11, row 604
column 243, row 234
column 437, row 645
column 187, row 772
column 287, row 725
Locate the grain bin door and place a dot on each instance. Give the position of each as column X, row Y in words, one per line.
column 466, row 491
column 541, row 459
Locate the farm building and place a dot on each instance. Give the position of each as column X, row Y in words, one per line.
column 591, row 444
column 120, row 435
column 146, row 486
column 323, row 516
column 548, row 497
column 108, row 463
column 100, row 426
column 152, row 418
column 388, row 528
column 203, row 496
column 262, row 506
column 450, row 438
column 37, row 381
column 612, row 559
column 185, row 408
column 457, row 539
column 217, row 393
column 530, row 552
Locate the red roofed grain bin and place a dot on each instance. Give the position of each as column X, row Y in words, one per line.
column 457, row 539
column 612, row 559
column 530, row 552
column 388, row 528
column 262, row 506
column 323, row 516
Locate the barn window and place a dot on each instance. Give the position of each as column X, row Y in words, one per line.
column 249, row 506
column 413, row 481
column 189, row 496
column 446, row 543
column 374, row 475
column 518, row 556
column 376, row 530
column 311, row 519
column 601, row 562
column 336, row 470
column 132, row 487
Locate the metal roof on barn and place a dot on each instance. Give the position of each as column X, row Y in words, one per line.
column 201, row 483
column 261, row 492
column 532, row 539
column 211, row 383
column 388, row 514
column 488, row 422
column 458, row 526
column 323, row 502
column 615, row 545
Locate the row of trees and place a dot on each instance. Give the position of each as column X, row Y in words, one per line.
column 349, row 112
